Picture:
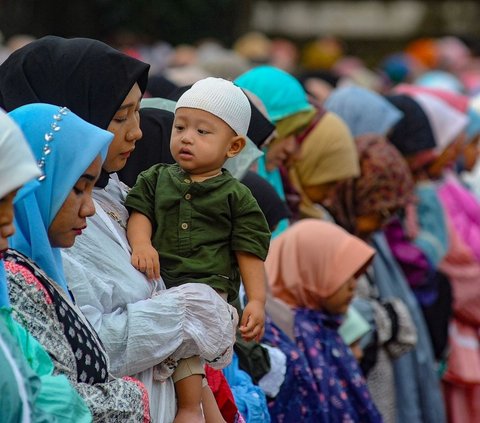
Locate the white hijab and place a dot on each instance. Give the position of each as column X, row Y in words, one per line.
column 446, row 122
column 17, row 164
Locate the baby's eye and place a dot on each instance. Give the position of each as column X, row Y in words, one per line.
column 202, row 131
column 178, row 127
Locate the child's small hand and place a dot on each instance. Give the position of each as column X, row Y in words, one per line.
column 145, row 259
column 252, row 326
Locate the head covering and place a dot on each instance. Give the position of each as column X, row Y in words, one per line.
column 160, row 86
column 72, row 149
column 446, row 122
column 473, row 111
column 89, row 77
column 363, row 110
column 385, row 183
column 456, row 100
column 353, row 327
column 440, row 79
column 311, row 260
column 413, row 133
column 154, row 147
column 280, row 92
column 17, row 166
column 328, row 154
column 222, row 99
column 272, row 206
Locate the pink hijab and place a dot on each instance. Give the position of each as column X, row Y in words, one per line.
column 458, row 101
column 311, row 260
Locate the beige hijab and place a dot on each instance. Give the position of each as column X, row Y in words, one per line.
column 311, row 260
column 328, row 154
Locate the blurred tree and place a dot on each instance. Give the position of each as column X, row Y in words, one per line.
column 176, row 21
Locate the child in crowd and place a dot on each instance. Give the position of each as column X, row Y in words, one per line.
column 202, row 224
column 313, row 267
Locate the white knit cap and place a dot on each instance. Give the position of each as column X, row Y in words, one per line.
column 220, row 98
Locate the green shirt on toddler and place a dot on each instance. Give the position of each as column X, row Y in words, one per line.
column 198, row 226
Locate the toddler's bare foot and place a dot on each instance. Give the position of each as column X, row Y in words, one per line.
column 189, row 415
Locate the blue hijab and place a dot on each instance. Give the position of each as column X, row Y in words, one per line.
column 17, row 166
column 364, row 111
column 73, row 146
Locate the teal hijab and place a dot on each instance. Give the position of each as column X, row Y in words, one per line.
column 66, row 145
column 281, row 93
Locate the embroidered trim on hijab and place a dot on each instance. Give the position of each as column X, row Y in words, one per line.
column 328, row 154
column 311, row 260
column 76, row 145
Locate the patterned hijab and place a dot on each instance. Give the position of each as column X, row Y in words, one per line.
column 17, row 167
column 311, row 260
column 363, row 110
column 385, row 183
column 328, row 154
column 72, row 149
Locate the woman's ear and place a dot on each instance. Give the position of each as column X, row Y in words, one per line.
column 237, row 145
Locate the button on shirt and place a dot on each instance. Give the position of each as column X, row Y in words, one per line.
column 198, row 226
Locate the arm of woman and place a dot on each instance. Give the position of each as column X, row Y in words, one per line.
column 140, row 331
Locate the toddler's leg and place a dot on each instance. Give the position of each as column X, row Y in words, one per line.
column 210, row 406
column 188, row 378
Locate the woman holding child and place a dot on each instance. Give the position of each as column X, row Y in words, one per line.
column 140, row 324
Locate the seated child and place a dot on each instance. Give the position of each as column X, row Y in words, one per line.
column 199, row 222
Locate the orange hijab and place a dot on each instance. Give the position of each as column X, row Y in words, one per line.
column 311, row 260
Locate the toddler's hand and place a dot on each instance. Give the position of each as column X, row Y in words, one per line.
column 145, row 259
column 252, row 325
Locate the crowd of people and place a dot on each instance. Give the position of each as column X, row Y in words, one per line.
column 255, row 234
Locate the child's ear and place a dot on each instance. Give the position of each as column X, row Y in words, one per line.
column 237, row 145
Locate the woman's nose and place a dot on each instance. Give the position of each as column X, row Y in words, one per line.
column 88, row 208
column 7, row 230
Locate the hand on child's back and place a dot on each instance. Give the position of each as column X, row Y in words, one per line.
column 145, row 259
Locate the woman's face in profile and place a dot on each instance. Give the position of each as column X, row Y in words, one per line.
column 6, row 219
column 71, row 219
column 282, row 152
column 125, row 126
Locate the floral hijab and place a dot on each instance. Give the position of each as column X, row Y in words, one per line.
column 385, row 183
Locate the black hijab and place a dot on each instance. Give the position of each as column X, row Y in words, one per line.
column 89, row 77
column 272, row 206
column 413, row 133
column 153, row 148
